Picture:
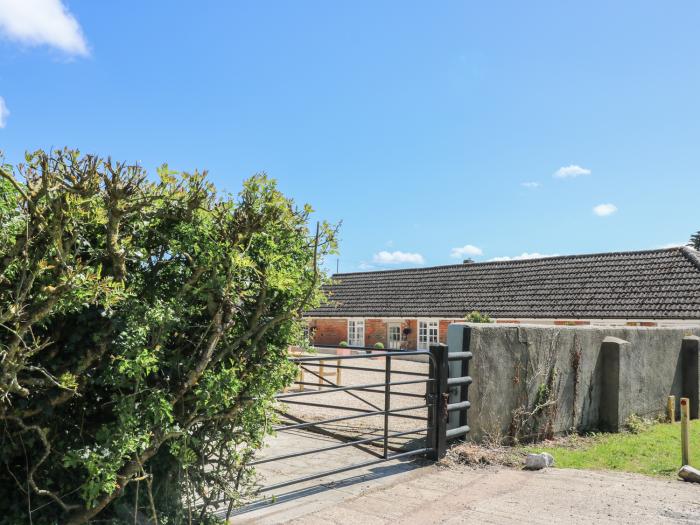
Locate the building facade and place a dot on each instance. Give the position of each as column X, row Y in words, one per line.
column 411, row 309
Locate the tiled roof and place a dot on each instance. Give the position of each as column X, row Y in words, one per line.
column 654, row 284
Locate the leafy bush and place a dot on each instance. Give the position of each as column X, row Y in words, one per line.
column 636, row 424
column 143, row 334
column 478, row 317
column 343, row 344
column 379, row 346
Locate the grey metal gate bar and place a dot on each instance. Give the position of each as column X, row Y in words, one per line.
column 459, row 356
column 385, row 387
column 438, row 383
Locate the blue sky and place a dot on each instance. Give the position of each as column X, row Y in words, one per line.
column 434, row 130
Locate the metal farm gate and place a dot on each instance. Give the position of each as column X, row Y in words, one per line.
column 443, row 399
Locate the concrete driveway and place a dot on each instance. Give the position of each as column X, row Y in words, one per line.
column 419, row 493
column 432, row 494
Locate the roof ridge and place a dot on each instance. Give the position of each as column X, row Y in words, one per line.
column 694, row 257
column 692, row 254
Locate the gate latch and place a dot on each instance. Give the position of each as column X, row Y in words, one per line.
column 443, row 405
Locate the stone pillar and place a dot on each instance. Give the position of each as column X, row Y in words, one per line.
column 690, row 372
column 616, row 385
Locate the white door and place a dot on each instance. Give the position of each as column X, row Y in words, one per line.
column 394, row 335
column 356, row 332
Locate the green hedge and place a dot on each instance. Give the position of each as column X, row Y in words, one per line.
column 143, row 332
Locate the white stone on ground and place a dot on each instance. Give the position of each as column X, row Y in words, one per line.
column 538, row 461
column 688, row 473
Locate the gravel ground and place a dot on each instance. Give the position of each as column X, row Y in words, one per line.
column 346, row 401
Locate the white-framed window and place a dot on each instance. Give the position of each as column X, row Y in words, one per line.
column 356, row 332
column 427, row 334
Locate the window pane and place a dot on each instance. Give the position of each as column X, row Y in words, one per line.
column 428, row 333
column 356, row 332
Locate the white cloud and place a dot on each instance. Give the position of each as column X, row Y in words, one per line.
column 38, row 22
column 4, row 113
column 365, row 266
column 672, row 245
column 523, row 256
column 603, row 210
column 398, row 257
column 572, row 171
column 467, row 249
column 530, row 185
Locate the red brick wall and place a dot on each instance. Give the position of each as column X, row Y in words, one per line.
column 375, row 332
column 412, row 338
column 329, row 331
column 333, row 331
column 442, row 331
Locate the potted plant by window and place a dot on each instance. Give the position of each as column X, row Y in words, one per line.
column 343, row 348
column 377, row 346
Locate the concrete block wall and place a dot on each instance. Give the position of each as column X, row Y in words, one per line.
column 545, row 380
column 690, row 379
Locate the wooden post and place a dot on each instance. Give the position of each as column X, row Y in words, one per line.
column 671, row 409
column 685, row 418
column 320, row 376
column 337, row 374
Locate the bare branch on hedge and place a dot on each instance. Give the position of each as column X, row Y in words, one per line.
column 8, row 177
column 47, row 450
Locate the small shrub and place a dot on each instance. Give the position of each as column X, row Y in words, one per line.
column 636, row 424
column 343, row 344
column 477, row 317
column 379, row 346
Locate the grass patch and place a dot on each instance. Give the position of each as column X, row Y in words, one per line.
column 654, row 450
